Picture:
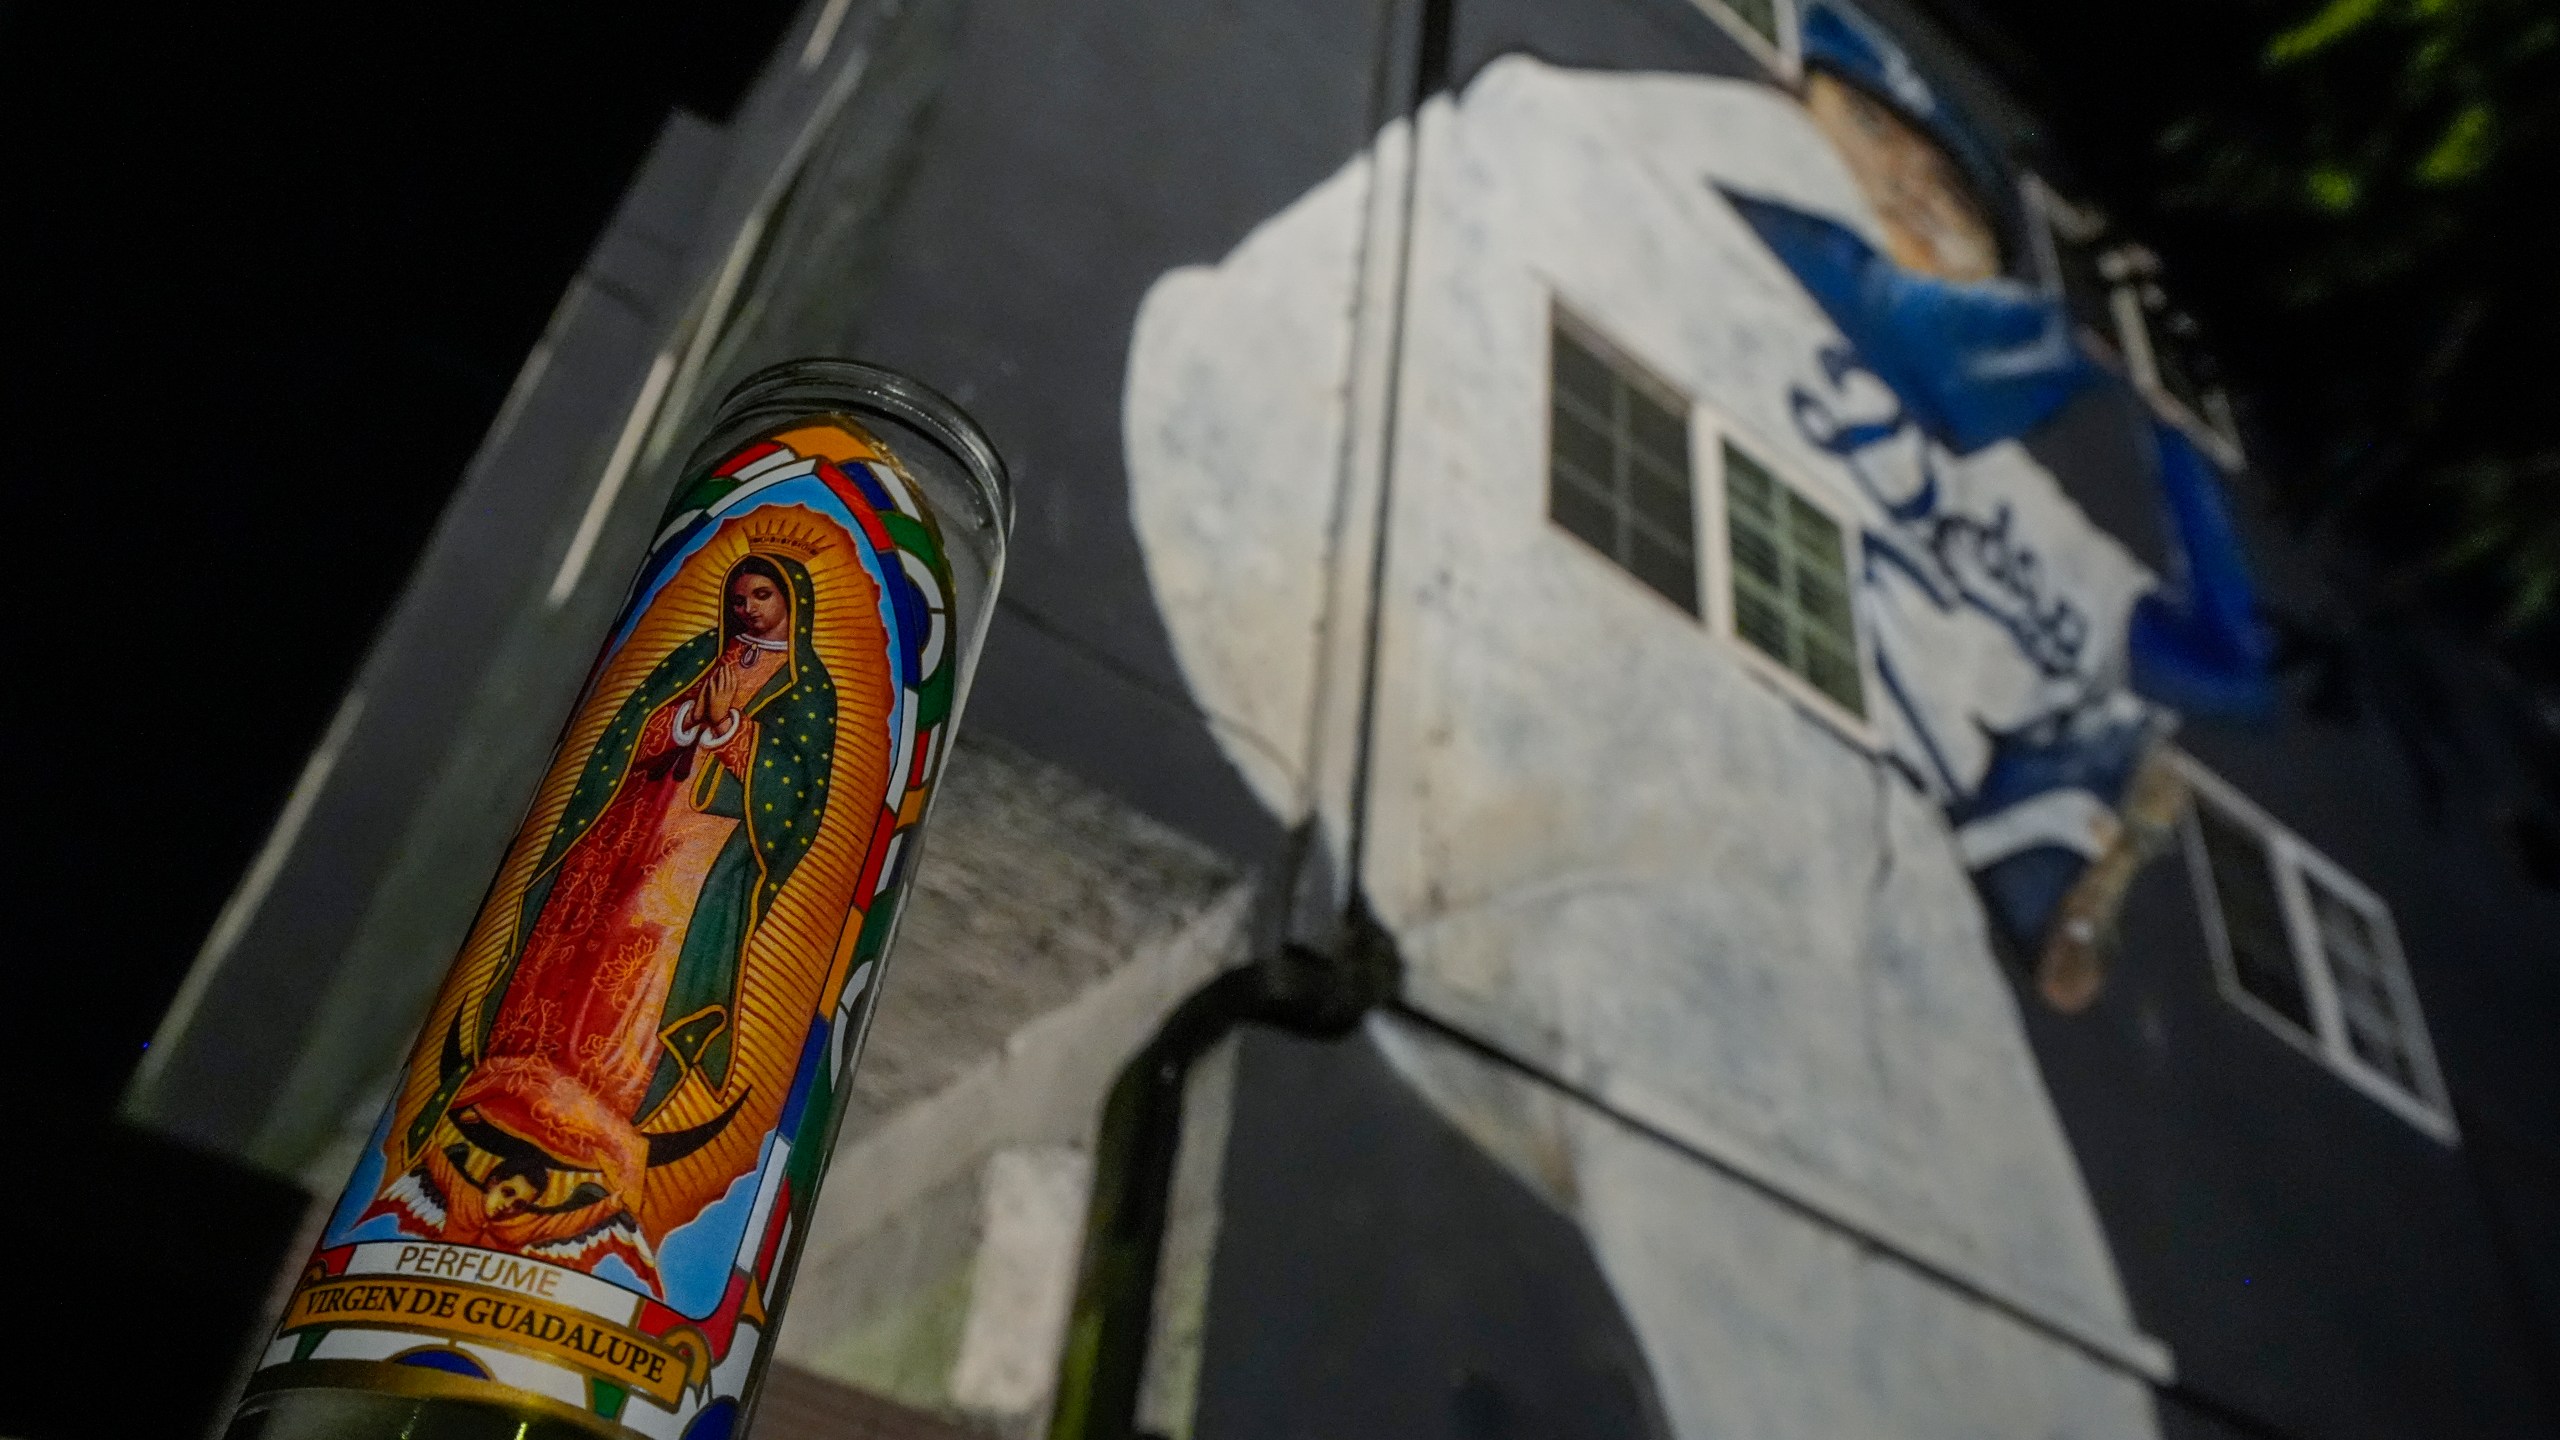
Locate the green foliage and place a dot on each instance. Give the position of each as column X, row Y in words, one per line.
column 2352, row 194
column 2464, row 150
column 2340, row 18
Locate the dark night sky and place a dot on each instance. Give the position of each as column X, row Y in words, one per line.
column 277, row 271
column 273, row 273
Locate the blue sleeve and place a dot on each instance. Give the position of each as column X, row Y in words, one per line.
column 2196, row 643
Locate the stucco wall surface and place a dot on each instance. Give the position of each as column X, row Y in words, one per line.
column 1609, row 841
column 1754, row 1322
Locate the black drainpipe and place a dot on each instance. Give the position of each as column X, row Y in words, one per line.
column 1298, row 990
column 1335, row 968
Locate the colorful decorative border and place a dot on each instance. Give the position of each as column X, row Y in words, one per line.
column 568, row 1341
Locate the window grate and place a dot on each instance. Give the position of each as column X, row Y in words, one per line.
column 1791, row 581
column 1618, row 469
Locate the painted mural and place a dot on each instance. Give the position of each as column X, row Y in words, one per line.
column 1605, row 840
column 2073, row 790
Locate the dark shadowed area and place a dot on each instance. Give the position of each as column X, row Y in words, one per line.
column 277, row 271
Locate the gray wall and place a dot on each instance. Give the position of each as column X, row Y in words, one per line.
column 1015, row 202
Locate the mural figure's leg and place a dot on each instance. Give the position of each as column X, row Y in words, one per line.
column 2195, row 645
column 2050, row 835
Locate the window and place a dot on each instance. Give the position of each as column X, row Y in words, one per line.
column 2255, row 944
column 1758, row 16
column 2377, row 1024
column 2304, row 948
column 2069, row 242
column 2182, row 366
column 2164, row 354
column 1790, row 581
column 1767, row 28
column 1620, row 478
column 1618, row 465
column 2111, row 289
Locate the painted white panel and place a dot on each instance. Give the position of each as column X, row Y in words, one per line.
column 1605, row 842
column 1233, row 425
column 1603, row 838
